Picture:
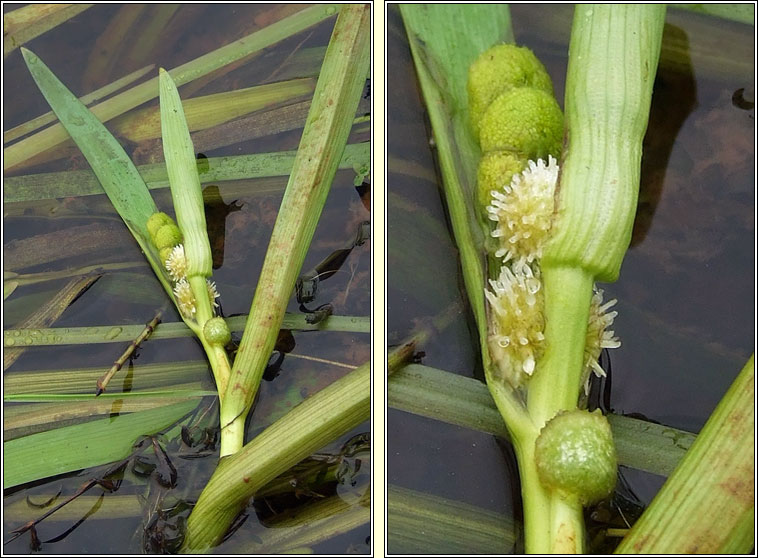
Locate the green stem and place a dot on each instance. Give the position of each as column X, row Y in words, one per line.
column 232, row 433
column 536, row 500
column 307, row 428
column 203, row 309
column 556, row 382
column 510, row 406
column 232, row 436
column 566, row 526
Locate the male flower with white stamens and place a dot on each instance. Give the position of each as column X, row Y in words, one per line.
column 176, row 263
column 523, row 211
column 599, row 336
column 516, row 322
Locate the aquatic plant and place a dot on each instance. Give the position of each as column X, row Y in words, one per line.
column 180, row 255
column 526, row 122
column 540, row 317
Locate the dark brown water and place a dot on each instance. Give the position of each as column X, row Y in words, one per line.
column 687, row 287
column 85, row 54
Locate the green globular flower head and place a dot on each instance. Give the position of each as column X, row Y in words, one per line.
column 525, row 120
column 156, row 221
column 216, row 332
column 576, row 457
column 495, row 172
column 498, row 70
column 168, row 236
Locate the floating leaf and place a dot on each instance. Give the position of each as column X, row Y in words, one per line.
column 94, row 443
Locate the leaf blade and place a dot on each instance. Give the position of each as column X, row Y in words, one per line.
column 94, row 443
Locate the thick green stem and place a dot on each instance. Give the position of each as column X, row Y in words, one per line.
column 307, row 428
column 203, row 310
column 232, row 433
column 566, row 526
column 556, row 382
column 536, row 500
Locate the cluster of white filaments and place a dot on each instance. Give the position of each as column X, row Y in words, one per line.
column 516, row 337
column 599, row 336
column 212, row 292
column 523, row 211
column 176, row 265
column 185, row 298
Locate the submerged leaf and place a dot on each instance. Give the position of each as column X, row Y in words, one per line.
column 84, row 445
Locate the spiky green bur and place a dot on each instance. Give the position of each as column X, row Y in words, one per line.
column 156, row 221
column 525, row 120
column 167, row 236
column 216, row 332
column 499, row 69
column 513, row 115
column 576, row 456
column 495, row 172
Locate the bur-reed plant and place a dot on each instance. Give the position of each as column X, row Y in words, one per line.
column 179, row 252
column 543, row 324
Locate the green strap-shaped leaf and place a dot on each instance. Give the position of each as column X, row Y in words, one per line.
column 184, row 179
column 85, row 445
column 110, row 163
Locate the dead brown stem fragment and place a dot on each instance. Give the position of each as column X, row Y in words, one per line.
column 102, row 382
column 102, row 481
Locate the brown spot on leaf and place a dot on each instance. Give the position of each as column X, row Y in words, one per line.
column 640, row 544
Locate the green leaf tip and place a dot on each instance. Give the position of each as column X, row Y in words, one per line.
column 186, row 191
